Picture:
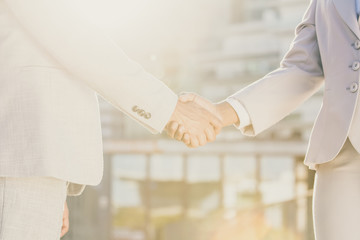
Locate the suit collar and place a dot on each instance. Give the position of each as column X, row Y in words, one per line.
column 346, row 9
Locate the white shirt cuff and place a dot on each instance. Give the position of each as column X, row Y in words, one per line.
column 241, row 112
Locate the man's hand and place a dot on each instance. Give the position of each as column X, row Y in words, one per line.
column 194, row 122
column 221, row 111
column 65, row 226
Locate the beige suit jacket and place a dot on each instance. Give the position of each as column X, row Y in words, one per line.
column 52, row 64
column 326, row 49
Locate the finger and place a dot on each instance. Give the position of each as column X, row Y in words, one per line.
column 65, row 227
column 210, row 134
column 194, row 143
column 202, row 139
column 187, row 97
column 66, row 224
column 171, row 129
column 216, row 123
column 186, row 139
column 180, row 133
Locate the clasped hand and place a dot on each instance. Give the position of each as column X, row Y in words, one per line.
column 195, row 121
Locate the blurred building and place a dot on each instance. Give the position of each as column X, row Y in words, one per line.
column 236, row 188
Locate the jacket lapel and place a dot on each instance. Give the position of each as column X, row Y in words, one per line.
column 346, row 9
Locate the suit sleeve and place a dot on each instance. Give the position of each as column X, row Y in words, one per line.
column 299, row 76
column 90, row 56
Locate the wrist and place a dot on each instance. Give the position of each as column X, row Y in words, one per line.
column 174, row 115
column 227, row 113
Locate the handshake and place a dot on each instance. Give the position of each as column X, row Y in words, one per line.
column 197, row 121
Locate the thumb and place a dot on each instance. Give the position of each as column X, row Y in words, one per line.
column 187, row 97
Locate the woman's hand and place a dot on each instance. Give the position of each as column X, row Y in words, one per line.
column 65, row 226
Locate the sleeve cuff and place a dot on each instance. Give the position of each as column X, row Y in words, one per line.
column 241, row 112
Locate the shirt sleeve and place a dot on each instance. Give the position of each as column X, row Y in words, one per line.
column 241, row 113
